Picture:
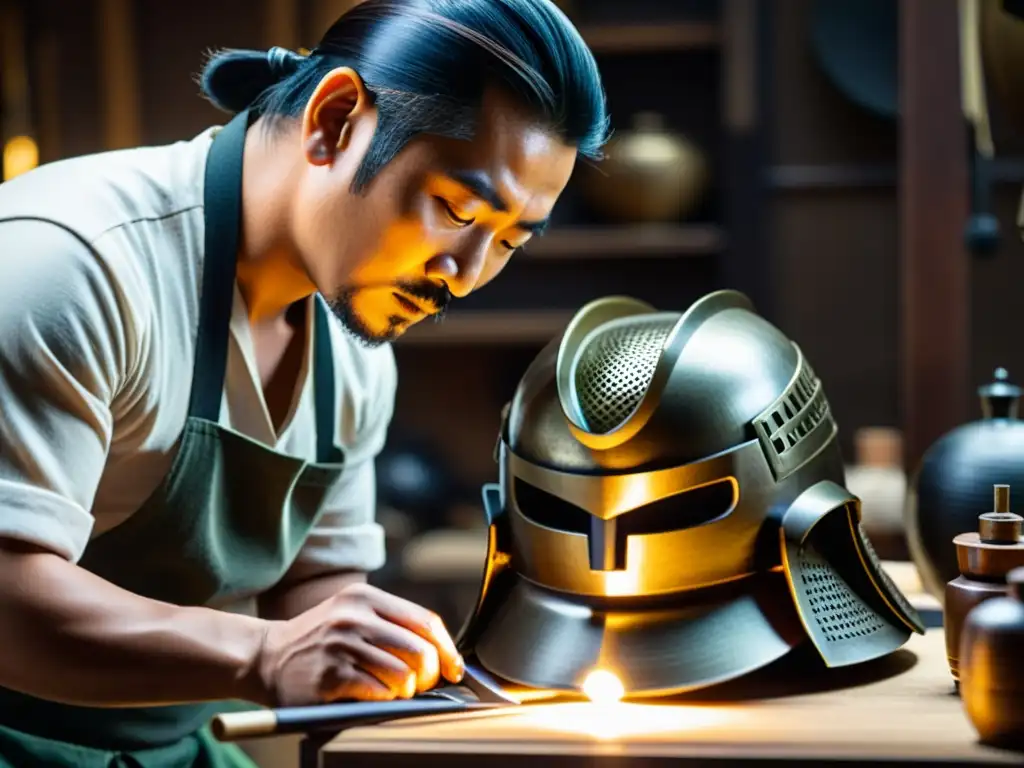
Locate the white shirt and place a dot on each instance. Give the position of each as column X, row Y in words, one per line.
column 100, row 271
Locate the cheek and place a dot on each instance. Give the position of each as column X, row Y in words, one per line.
column 320, row 213
column 393, row 250
column 403, row 241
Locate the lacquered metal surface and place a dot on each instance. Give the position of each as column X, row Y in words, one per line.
column 541, row 639
column 688, row 557
column 700, row 537
column 847, row 615
column 591, row 316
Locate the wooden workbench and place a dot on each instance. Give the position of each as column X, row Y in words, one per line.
column 898, row 710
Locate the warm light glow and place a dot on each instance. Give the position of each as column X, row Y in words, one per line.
column 21, row 155
column 621, row 720
column 603, row 687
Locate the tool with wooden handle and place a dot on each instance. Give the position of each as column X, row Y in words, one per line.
column 483, row 693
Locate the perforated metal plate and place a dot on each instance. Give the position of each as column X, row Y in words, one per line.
column 615, row 368
column 892, row 594
column 839, row 605
column 796, row 426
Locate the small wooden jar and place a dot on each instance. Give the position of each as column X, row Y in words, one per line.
column 984, row 557
column 992, row 666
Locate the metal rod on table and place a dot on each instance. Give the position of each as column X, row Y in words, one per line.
column 231, row 726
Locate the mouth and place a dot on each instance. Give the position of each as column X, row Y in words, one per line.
column 409, row 305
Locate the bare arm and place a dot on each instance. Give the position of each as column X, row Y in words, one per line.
column 69, row 353
column 291, row 599
column 69, row 350
column 68, row 635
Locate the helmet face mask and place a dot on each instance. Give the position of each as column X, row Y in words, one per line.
column 670, row 508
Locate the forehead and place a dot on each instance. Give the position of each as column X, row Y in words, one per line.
column 518, row 152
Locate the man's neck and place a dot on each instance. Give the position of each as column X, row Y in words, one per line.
column 270, row 274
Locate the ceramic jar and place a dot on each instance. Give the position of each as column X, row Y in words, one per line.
column 984, row 557
column 992, row 666
column 955, row 478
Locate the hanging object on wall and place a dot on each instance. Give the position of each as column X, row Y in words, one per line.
column 650, row 174
column 982, row 233
column 20, row 146
column 955, row 478
column 856, row 45
column 1002, row 53
column 1001, row 47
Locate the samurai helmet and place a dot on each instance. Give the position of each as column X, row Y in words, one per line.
column 670, row 508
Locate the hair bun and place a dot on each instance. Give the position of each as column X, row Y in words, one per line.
column 232, row 80
column 283, row 62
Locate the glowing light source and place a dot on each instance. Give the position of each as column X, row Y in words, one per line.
column 620, row 720
column 20, row 156
column 603, row 687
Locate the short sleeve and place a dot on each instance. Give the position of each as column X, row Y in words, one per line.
column 62, row 355
column 348, row 537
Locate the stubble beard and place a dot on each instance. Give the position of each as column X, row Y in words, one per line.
column 343, row 308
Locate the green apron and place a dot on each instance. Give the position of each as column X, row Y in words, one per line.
column 228, row 520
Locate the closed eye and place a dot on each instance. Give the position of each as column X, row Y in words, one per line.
column 452, row 215
column 457, row 220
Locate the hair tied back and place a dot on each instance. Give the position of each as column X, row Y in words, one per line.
column 234, row 80
column 283, row 62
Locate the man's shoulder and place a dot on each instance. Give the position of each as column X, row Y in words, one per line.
column 93, row 194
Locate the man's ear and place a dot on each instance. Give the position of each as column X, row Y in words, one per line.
column 339, row 98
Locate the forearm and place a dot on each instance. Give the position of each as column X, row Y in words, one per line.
column 70, row 636
column 289, row 600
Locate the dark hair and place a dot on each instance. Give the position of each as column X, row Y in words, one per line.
column 426, row 65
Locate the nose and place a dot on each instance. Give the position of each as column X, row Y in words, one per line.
column 460, row 271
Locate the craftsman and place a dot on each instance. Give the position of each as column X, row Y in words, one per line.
column 195, row 372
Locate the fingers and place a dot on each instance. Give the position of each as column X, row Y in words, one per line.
column 426, row 624
column 356, row 684
column 417, row 654
column 392, row 670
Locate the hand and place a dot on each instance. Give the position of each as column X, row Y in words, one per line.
column 363, row 644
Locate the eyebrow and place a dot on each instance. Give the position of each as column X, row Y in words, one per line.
column 536, row 227
column 480, row 185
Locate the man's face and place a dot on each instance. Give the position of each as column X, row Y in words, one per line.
column 439, row 221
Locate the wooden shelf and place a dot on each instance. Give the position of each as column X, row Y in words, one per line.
column 658, row 240
column 489, row 328
column 624, row 38
column 1007, row 170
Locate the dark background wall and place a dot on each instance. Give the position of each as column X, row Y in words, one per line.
column 829, row 227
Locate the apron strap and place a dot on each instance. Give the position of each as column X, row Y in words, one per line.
column 222, row 202
column 222, row 211
column 323, row 386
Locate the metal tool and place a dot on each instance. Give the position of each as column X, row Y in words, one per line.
column 232, row 726
column 478, row 690
column 486, row 689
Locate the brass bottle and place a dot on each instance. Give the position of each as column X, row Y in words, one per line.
column 992, row 666
column 984, row 558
